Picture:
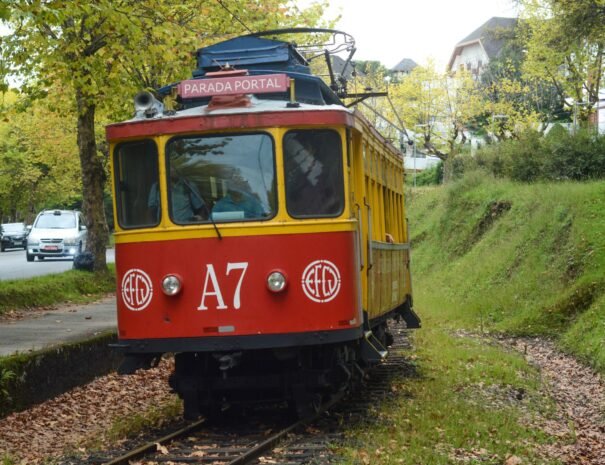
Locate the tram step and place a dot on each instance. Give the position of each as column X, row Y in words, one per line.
column 372, row 351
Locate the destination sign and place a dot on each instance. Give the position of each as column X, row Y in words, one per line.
column 264, row 84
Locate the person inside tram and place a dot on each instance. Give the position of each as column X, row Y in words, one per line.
column 238, row 200
column 187, row 204
column 313, row 179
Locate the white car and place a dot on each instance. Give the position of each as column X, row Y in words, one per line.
column 56, row 233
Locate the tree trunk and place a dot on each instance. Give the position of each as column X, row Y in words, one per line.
column 93, row 183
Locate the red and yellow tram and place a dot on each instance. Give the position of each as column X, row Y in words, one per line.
column 260, row 231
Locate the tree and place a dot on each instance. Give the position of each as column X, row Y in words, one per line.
column 436, row 110
column 38, row 159
column 370, row 77
column 565, row 45
column 421, row 99
column 101, row 51
column 583, row 18
column 508, row 112
column 465, row 103
column 505, row 80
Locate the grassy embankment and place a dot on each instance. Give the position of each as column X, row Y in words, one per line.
column 522, row 259
column 43, row 291
column 492, row 256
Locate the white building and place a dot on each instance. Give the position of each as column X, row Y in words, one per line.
column 404, row 67
column 420, row 162
column 475, row 51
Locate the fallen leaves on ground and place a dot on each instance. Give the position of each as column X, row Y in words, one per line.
column 513, row 460
column 47, row 430
column 161, row 449
column 57, row 425
column 579, row 394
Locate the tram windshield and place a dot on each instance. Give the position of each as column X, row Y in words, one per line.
column 314, row 174
column 221, row 178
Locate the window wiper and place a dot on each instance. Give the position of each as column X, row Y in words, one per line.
column 209, row 213
column 194, row 192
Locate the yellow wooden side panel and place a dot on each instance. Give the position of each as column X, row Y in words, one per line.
column 378, row 205
column 388, row 279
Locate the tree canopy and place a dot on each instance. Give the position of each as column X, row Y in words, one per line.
column 39, row 166
column 99, row 53
column 565, row 44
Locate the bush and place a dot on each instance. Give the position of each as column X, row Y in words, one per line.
column 558, row 156
column 576, row 156
column 429, row 177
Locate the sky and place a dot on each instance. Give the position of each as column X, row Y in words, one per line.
column 390, row 30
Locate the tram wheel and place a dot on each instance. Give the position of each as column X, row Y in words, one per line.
column 212, row 413
column 304, row 406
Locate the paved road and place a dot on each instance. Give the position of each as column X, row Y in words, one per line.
column 13, row 265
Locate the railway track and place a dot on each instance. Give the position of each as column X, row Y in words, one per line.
column 267, row 437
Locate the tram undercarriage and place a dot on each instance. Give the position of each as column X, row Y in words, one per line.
column 302, row 377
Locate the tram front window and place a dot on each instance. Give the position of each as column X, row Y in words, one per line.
column 314, row 175
column 136, row 174
column 221, row 178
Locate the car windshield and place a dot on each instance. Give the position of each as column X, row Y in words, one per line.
column 13, row 227
column 56, row 221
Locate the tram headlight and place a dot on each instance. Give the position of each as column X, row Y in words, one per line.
column 276, row 281
column 171, row 284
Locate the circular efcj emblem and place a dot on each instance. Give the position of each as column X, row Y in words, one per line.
column 321, row 281
column 137, row 289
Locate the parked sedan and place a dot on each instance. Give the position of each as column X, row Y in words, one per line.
column 13, row 235
column 56, row 233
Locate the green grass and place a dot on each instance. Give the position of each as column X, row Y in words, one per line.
column 7, row 460
column 491, row 256
column 537, row 268
column 471, row 401
column 72, row 286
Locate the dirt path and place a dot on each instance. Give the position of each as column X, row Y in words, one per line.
column 579, row 394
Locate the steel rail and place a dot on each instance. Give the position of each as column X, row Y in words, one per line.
column 276, row 438
column 247, row 456
column 152, row 446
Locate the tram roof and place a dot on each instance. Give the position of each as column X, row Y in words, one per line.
column 252, row 53
column 257, row 105
column 255, row 57
column 259, row 56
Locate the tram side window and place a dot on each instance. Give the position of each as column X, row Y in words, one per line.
column 314, row 173
column 221, row 178
column 136, row 173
